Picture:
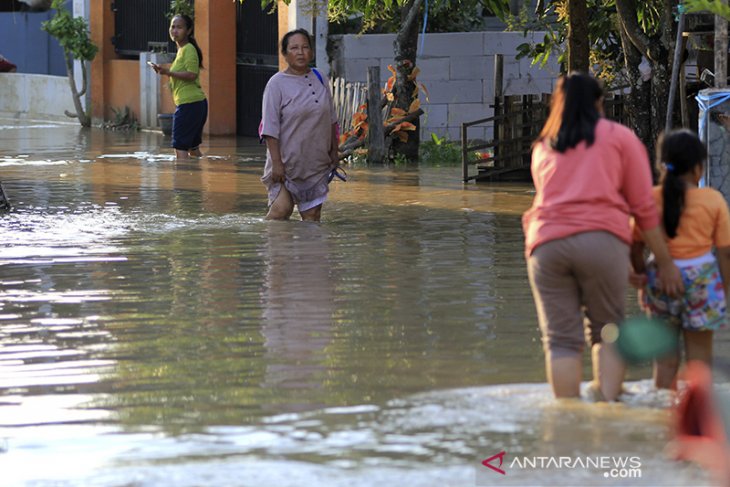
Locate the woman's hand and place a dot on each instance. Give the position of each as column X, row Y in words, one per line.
column 159, row 69
column 277, row 171
column 670, row 279
column 334, row 158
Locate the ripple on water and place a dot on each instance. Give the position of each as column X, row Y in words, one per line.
column 437, row 438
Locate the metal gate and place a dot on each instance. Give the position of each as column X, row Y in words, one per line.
column 141, row 26
column 257, row 60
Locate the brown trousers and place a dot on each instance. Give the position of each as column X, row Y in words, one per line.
column 579, row 285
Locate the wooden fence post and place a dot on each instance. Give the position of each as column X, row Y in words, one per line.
column 376, row 133
column 497, row 134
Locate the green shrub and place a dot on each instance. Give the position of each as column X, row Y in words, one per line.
column 439, row 150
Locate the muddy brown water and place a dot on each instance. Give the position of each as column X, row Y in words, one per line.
column 156, row 330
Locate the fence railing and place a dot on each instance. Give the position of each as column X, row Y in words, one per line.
column 347, row 97
column 141, row 26
column 516, row 123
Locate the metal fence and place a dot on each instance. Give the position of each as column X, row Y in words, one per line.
column 141, row 26
column 516, row 123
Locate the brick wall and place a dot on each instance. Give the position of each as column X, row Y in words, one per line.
column 457, row 70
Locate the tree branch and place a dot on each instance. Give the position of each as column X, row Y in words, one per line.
column 626, row 10
column 347, row 152
column 407, row 118
column 410, row 18
column 83, row 79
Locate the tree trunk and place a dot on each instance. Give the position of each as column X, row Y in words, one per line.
column 578, row 46
column 84, row 120
column 638, row 106
column 648, row 102
column 406, row 44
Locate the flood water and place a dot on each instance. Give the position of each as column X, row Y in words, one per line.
column 155, row 330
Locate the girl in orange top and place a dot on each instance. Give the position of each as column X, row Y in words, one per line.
column 695, row 220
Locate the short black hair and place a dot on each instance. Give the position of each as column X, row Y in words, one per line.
column 288, row 35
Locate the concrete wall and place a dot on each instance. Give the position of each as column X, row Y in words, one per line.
column 24, row 43
column 457, row 69
column 35, row 96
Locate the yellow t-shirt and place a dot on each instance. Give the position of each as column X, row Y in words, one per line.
column 184, row 91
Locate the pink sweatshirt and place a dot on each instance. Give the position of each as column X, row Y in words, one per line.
column 590, row 188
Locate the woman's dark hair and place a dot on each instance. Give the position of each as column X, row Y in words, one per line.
column 680, row 151
column 573, row 112
column 191, row 27
column 290, row 34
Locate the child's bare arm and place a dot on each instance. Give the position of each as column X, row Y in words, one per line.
column 637, row 257
column 723, row 260
column 637, row 273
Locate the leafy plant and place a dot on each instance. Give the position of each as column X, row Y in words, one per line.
column 717, row 7
column 396, row 121
column 181, row 7
column 606, row 56
column 124, row 119
column 399, row 159
column 73, row 36
column 439, row 150
column 443, row 16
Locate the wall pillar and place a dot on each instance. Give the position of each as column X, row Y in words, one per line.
column 321, row 32
column 101, row 23
column 215, row 30
column 81, row 9
column 310, row 15
column 283, row 13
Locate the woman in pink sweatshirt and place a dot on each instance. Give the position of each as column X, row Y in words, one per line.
column 591, row 175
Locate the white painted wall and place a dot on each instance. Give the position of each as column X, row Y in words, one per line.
column 457, row 69
column 35, row 96
column 81, row 9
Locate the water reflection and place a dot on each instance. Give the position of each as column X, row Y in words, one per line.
column 298, row 306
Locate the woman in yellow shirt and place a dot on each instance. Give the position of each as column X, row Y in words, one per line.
column 192, row 105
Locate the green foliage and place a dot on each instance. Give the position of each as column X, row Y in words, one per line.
column 606, row 51
column 72, row 33
column 439, row 150
column 399, row 159
column 124, row 119
column 714, row 6
column 460, row 15
column 444, row 15
column 181, row 7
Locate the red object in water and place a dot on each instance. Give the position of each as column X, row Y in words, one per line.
column 700, row 432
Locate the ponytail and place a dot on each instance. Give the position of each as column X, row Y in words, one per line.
column 673, row 202
column 679, row 151
column 192, row 41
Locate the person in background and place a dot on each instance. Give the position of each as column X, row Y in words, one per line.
column 299, row 126
column 184, row 73
column 6, row 66
column 591, row 175
column 694, row 221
